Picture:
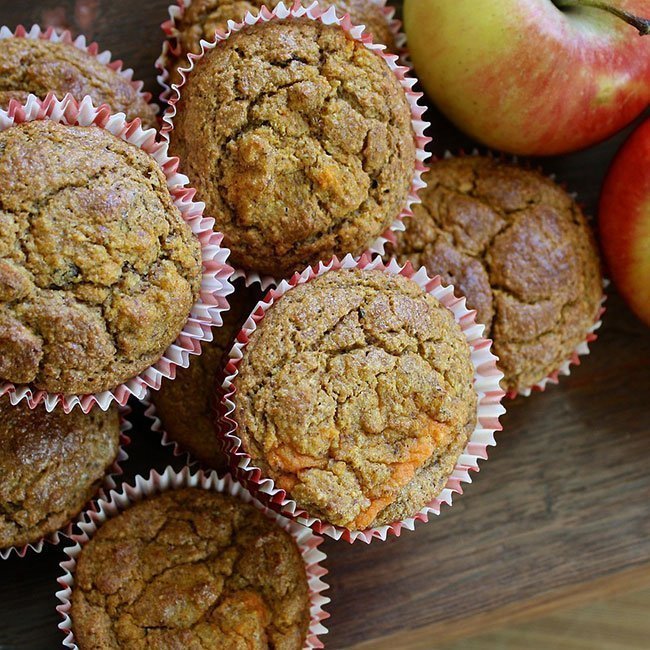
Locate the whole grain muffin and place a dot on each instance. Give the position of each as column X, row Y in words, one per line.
column 51, row 464
column 40, row 66
column 190, row 569
column 98, row 270
column 203, row 17
column 299, row 140
column 519, row 248
column 186, row 405
column 355, row 395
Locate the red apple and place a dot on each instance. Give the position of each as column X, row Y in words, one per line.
column 624, row 219
column 530, row 77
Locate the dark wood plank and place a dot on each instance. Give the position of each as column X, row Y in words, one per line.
column 558, row 513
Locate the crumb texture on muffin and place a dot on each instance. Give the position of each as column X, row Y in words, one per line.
column 186, row 405
column 51, row 464
column 355, row 394
column 203, row 17
column 40, row 66
column 519, row 248
column 299, row 140
column 190, row 569
column 98, row 270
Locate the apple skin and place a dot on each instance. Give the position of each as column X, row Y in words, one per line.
column 624, row 221
column 524, row 77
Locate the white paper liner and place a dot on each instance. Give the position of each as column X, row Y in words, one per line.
column 104, row 57
column 215, row 283
column 582, row 349
column 156, row 483
column 327, row 17
column 486, row 384
column 107, row 484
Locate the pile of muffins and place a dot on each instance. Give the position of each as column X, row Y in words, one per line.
column 342, row 400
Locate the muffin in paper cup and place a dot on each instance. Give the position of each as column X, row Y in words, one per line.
column 462, row 256
column 156, row 483
column 215, row 281
column 172, row 53
column 104, row 57
column 402, row 73
column 108, row 484
column 486, row 385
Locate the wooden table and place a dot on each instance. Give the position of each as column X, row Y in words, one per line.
column 559, row 514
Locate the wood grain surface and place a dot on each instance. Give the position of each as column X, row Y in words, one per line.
column 559, row 514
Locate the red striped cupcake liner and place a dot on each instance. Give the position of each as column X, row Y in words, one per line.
column 486, row 384
column 156, row 483
column 215, row 283
column 108, row 484
column 403, row 74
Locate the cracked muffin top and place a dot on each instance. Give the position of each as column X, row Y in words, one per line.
column 185, row 405
column 203, row 17
column 40, row 66
column 519, row 248
column 98, row 270
column 51, row 464
column 299, row 140
column 354, row 391
column 190, row 568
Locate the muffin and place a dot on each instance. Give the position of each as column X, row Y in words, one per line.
column 40, row 66
column 186, row 405
column 519, row 248
column 190, row 568
column 355, row 395
column 98, row 270
column 299, row 139
column 202, row 18
column 51, row 464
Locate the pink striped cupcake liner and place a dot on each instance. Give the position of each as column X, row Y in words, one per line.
column 171, row 48
column 403, row 74
column 156, row 483
column 105, row 57
column 486, row 384
column 215, row 283
column 108, row 484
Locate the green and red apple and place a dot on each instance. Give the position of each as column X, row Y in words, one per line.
column 534, row 77
column 624, row 221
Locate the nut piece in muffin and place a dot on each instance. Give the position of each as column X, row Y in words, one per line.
column 98, row 270
column 355, row 395
column 40, row 66
column 203, row 17
column 190, row 568
column 519, row 248
column 299, row 139
column 51, row 464
column 186, row 405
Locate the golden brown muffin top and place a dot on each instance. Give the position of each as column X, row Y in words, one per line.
column 186, row 404
column 98, row 270
column 203, row 17
column 348, row 387
column 519, row 248
column 40, row 66
column 51, row 464
column 299, row 140
column 190, row 569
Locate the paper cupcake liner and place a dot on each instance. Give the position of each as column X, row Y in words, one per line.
column 215, row 283
column 486, row 384
column 158, row 427
column 108, row 484
column 169, row 480
column 582, row 349
column 171, row 48
column 403, row 74
column 104, row 57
